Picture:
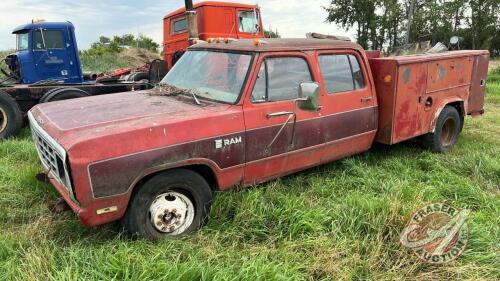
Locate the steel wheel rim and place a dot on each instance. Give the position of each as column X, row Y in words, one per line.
column 447, row 132
column 3, row 120
column 171, row 213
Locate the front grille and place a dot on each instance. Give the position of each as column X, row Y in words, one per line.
column 52, row 155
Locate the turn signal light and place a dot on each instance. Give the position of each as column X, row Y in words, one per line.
column 388, row 78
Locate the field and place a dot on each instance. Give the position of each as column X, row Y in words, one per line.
column 337, row 221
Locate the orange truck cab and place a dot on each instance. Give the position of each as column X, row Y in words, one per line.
column 214, row 20
column 241, row 113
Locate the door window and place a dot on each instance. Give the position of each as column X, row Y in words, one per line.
column 341, row 73
column 53, row 39
column 248, row 21
column 279, row 79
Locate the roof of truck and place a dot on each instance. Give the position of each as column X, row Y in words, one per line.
column 211, row 3
column 274, row 45
column 42, row 24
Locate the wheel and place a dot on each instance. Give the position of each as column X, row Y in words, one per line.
column 171, row 203
column 11, row 116
column 448, row 127
column 63, row 94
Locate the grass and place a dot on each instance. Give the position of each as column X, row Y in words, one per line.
column 337, row 221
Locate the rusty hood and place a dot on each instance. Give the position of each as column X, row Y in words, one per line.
column 136, row 120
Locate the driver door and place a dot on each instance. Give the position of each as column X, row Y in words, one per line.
column 276, row 128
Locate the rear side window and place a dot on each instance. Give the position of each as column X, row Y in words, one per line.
column 341, row 73
column 279, row 79
column 53, row 39
column 179, row 25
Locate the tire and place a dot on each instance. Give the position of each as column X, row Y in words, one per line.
column 163, row 206
column 11, row 116
column 448, row 127
column 63, row 94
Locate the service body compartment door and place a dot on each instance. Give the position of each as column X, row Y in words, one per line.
column 410, row 100
column 478, row 84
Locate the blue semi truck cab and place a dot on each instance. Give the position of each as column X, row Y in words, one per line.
column 46, row 51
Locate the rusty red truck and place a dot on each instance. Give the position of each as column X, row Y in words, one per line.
column 238, row 113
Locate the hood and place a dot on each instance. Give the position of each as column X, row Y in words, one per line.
column 71, row 121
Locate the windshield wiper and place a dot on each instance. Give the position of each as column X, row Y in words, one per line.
column 195, row 97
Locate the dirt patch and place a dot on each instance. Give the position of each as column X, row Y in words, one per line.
column 137, row 57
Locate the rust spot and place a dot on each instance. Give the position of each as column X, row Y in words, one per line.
column 406, row 75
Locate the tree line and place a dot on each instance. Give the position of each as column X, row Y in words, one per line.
column 383, row 24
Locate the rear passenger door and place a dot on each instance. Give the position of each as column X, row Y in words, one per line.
column 350, row 112
column 274, row 126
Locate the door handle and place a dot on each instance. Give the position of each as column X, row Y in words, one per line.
column 279, row 113
column 366, row 99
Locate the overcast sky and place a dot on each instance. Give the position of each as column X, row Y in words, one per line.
column 292, row 18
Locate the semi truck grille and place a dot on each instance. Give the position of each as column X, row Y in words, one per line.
column 52, row 155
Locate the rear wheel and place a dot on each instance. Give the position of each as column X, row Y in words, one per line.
column 11, row 116
column 448, row 127
column 171, row 203
column 63, row 94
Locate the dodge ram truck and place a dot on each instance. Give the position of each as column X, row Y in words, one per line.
column 242, row 112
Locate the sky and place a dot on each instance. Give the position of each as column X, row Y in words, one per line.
column 292, row 18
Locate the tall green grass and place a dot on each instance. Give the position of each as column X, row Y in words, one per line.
column 337, row 221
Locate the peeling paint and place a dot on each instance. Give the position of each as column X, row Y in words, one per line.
column 441, row 72
column 406, row 75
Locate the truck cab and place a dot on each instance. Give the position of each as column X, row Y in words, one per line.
column 45, row 51
column 214, row 20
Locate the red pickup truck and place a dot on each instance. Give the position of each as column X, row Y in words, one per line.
column 240, row 113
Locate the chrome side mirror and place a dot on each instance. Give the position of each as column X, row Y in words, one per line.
column 309, row 96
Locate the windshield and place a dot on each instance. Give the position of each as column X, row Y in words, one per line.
column 22, row 41
column 213, row 75
column 248, row 21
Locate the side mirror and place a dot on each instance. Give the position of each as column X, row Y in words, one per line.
column 309, row 96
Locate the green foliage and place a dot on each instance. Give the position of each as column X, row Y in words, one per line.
column 101, row 63
column 384, row 23
column 105, row 45
column 339, row 221
column 271, row 34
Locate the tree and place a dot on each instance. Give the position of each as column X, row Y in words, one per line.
column 383, row 24
column 271, row 34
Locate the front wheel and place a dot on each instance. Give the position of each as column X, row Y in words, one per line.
column 448, row 127
column 171, row 203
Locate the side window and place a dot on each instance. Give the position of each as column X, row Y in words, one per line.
column 341, row 73
column 248, row 21
column 259, row 89
column 357, row 73
column 179, row 25
column 280, row 78
column 53, row 39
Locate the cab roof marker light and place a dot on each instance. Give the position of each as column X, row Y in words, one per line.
column 258, row 42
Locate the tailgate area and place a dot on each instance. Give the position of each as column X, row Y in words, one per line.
column 412, row 90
